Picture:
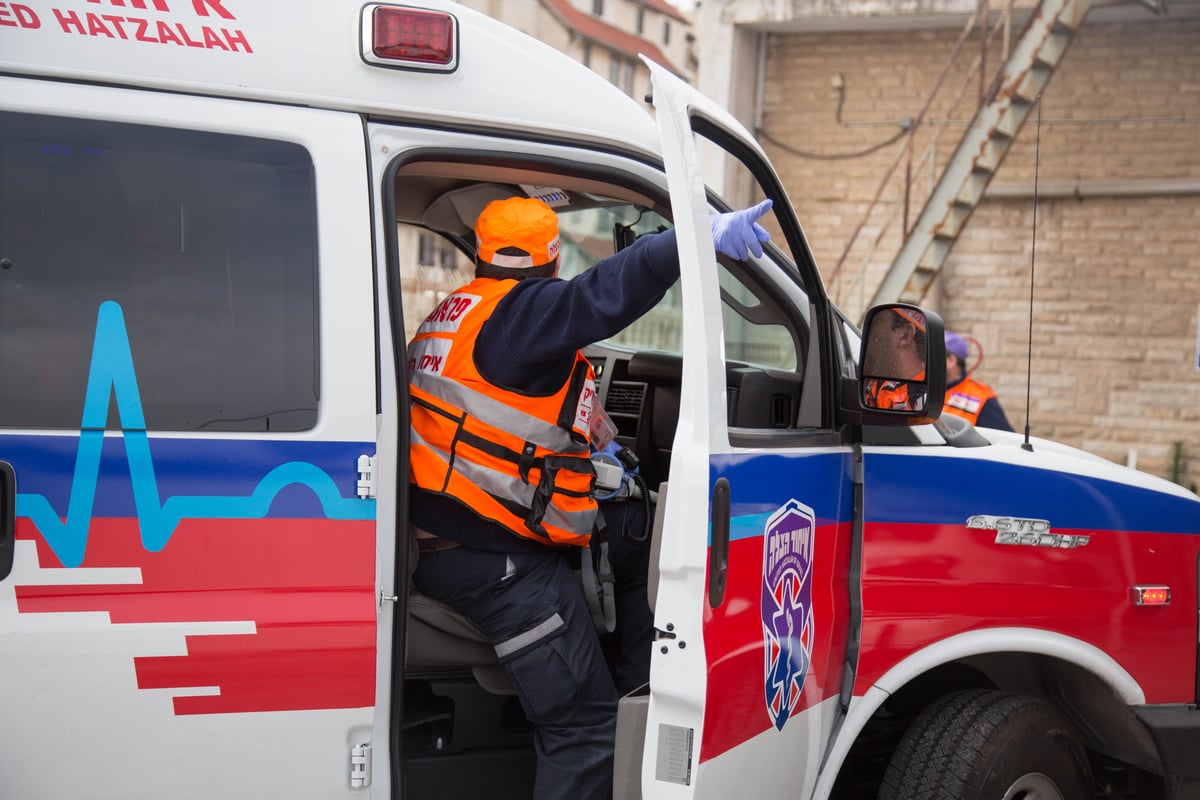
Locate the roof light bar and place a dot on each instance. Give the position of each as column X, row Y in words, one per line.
column 409, row 38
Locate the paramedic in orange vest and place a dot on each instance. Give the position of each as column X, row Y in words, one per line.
column 500, row 475
column 897, row 347
column 966, row 397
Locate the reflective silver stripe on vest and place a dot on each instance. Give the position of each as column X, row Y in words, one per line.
column 492, row 482
column 522, row 640
column 500, row 484
column 498, row 414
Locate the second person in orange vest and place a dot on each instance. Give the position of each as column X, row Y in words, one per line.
column 500, row 475
column 966, row 397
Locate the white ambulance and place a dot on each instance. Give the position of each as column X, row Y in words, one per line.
column 203, row 423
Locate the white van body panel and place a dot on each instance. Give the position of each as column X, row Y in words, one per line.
column 816, row 561
column 309, row 54
column 79, row 666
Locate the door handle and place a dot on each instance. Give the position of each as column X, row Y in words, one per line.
column 718, row 554
column 8, row 517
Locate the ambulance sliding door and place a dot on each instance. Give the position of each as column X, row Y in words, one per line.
column 186, row 388
column 753, row 604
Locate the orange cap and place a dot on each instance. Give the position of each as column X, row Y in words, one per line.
column 915, row 317
column 525, row 223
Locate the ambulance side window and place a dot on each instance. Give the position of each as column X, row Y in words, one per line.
column 768, row 301
column 178, row 267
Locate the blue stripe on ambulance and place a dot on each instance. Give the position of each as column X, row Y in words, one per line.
column 761, row 483
column 163, row 481
column 954, row 489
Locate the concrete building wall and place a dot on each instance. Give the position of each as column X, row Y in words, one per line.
column 524, row 15
column 664, row 30
column 623, row 69
column 1117, row 285
column 529, row 17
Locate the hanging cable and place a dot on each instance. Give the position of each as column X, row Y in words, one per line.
column 832, row 156
column 905, row 126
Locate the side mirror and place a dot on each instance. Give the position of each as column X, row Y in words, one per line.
column 902, row 366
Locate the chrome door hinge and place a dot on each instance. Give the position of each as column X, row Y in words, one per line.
column 360, row 766
column 366, row 477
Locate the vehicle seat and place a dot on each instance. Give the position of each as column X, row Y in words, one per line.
column 438, row 636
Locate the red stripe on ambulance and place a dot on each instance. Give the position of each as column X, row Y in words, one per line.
column 312, row 605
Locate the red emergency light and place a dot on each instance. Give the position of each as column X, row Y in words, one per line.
column 1151, row 595
column 410, row 38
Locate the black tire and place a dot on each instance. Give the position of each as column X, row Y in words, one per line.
column 988, row 745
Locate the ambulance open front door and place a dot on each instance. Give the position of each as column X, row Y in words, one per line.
column 753, row 607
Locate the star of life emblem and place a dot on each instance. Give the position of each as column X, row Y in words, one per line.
column 787, row 607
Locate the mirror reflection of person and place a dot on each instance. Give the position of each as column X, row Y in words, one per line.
column 967, row 397
column 895, row 357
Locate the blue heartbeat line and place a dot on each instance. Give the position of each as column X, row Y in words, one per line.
column 112, row 371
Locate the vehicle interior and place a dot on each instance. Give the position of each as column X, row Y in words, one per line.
column 638, row 369
column 457, row 700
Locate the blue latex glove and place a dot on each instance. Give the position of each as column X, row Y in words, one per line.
column 737, row 235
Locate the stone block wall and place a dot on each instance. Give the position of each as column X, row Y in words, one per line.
column 1117, row 269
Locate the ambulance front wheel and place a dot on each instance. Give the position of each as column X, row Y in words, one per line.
column 988, row 744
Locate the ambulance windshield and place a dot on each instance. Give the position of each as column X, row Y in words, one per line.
column 590, row 234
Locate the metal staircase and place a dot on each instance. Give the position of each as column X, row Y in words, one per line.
column 990, row 135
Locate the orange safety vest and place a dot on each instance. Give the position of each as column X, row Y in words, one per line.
column 889, row 394
column 519, row 460
column 966, row 398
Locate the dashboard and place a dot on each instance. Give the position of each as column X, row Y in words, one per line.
column 640, row 391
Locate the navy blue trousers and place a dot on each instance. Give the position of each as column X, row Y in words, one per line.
column 532, row 610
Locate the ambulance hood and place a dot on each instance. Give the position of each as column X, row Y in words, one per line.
column 1007, row 446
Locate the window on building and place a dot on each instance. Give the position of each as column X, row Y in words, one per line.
column 620, row 73
column 586, row 55
column 177, row 265
column 666, row 32
column 425, row 249
column 598, row 7
column 434, row 251
column 641, row 20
